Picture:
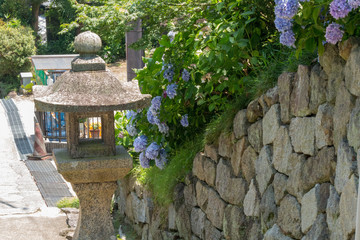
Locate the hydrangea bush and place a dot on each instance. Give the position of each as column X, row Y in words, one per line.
column 312, row 23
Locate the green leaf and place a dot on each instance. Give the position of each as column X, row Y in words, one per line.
column 212, row 107
column 165, row 41
column 158, row 53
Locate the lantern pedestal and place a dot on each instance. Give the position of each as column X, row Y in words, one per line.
column 94, row 181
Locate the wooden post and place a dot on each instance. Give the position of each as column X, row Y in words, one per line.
column 133, row 57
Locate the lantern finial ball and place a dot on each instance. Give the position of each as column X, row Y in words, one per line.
column 87, row 43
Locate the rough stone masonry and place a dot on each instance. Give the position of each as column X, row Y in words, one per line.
column 287, row 171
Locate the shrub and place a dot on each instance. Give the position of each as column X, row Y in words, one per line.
column 16, row 45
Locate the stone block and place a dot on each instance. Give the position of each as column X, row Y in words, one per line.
column 271, row 124
column 272, row 96
column 314, row 170
column 289, row 216
column 279, row 183
column 211, row 151
column 295, row 185
column 210, row 171
column 264, row 171
column 189, row 196
column 346, row 165
column 226, row 141
column 313, row 203
column 198, row 218
column 234, row 221
column 343, row 105
column 215, row 209
column 282, row 151
column 268, row 209
column 240, row 124
column 183, row 222
column 318, row 85
column 248, row 163
column 275, row 233
column 232, row 190
column 202, row 193
column 171, row 217
column 255, row 135
column 319, row 230
column 300, row 95
column 348, row 207
column 333, row 66
column 285, row 87
column 324, row 126
column 237, row 155
column 332, row 214
column 211, row 232
column 302, row 133
column 251, row 201
column 254, row 111
column 352, row 73
column 198, row 166
column 346, row 46
column 353, row 131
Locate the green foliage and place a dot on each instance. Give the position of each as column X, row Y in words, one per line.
column 19, row 9
column 68, row 202
column 16, row 44
column 162, row 182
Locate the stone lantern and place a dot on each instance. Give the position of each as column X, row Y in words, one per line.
column 92, row 166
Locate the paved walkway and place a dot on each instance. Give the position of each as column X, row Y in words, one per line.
column 23, row 212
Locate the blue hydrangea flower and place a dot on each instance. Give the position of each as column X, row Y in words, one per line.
column 184, row 121
column 155, row 104
column 354, row 3
column 333, row 33
column 144, row 161
column 131, row 129
column 152, row 151
column 171, row 90
column 162, row 159
column 185, row 75
column 286, row 8
column 283, row 24
column 130, row 114
column 140, row 143
column 339, row 8
column 169, row 71
column 287, row 38
column 163, row 128
column 152, row 118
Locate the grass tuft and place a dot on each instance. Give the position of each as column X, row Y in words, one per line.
column 68, row 202
column 162, row 182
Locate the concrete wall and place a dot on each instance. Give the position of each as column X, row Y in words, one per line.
column 287, row 171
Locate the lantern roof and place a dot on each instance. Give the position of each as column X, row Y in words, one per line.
column 89, row 86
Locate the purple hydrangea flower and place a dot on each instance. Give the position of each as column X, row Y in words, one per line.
column 283, row 24
column 286, row 8
column 185, row 75
column 184, row 121
column 339, row 8
column 354, row 3
column 162, row 159
column 152, row 118
column 140, row 143
column 163, row 128
column 155, row 104
column 144, row 161
column 131, row 129
column 287, row 38
column 333, row 33
column 171, row 90
column 152, row 151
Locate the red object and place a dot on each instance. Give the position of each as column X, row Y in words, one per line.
column 39, row 145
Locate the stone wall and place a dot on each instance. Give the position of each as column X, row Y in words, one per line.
column 287, row 171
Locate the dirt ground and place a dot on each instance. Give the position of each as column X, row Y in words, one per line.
column 118, row 69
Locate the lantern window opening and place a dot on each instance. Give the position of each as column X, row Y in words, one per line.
column 90, row 128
